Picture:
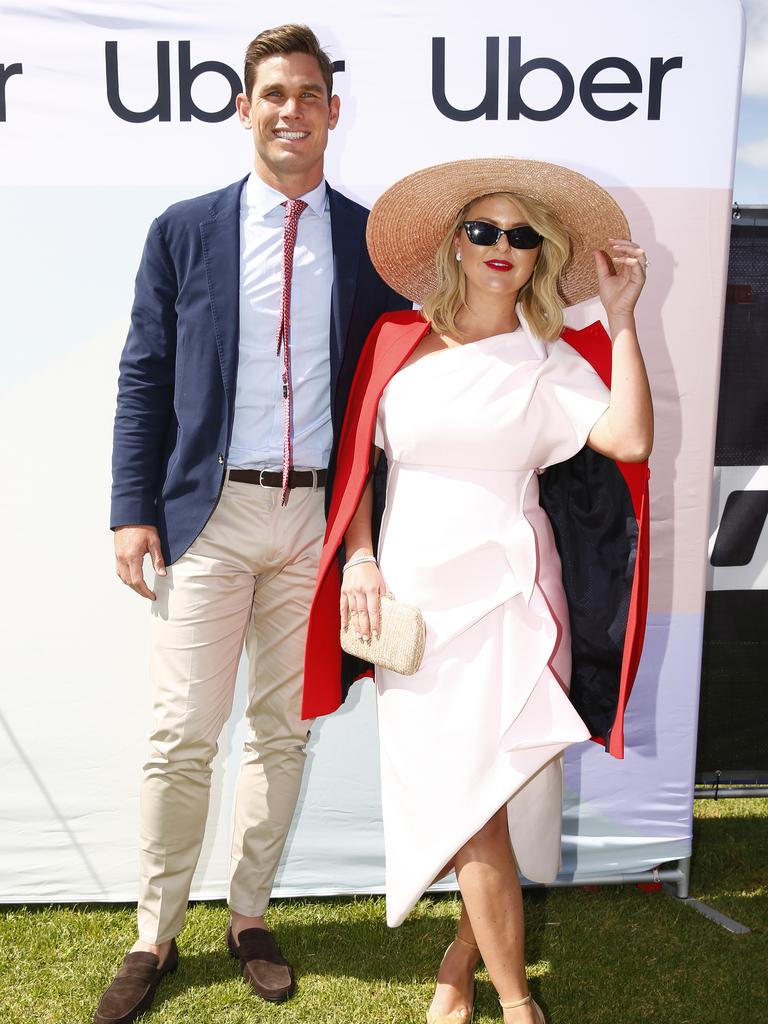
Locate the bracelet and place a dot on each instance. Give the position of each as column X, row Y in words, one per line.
column 358, row 561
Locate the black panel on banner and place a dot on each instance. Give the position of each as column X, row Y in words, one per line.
column 742, row 523
column 733, row 718
column 733, row 715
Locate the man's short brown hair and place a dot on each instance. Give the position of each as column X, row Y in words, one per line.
column 285, row 39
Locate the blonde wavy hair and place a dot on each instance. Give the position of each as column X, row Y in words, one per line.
column 539, row 298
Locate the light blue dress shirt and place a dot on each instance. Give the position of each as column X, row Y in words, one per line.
column 257, row 436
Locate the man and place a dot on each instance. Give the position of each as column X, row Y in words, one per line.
column 252, row 304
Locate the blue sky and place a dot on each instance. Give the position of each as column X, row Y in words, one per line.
column 751, row 182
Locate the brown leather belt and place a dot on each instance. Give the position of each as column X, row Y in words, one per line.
column 271, row 478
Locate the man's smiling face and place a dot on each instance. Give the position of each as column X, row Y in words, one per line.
column 289, row 115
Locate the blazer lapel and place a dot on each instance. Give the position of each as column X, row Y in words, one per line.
column 220, row 236
column 346, row 238
column 385, row 352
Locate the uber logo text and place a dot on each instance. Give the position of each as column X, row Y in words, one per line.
column 589, row 89
column 7, row 71
column 188, row 73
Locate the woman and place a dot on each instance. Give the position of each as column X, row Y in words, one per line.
column 471, row 400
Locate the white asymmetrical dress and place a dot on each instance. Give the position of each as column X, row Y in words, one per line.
column 484, row 720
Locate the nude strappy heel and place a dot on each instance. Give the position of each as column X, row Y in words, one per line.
column 521, row 1002
column 458, row 1016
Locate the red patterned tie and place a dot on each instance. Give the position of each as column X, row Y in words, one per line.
column 293, row 210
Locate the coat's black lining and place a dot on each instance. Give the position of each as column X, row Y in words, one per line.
column 590, row 508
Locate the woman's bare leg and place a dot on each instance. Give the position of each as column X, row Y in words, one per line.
column 493, row 916
column 456, row 977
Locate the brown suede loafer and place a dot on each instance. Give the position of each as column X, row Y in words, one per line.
column 132, row 991
column 264, row 967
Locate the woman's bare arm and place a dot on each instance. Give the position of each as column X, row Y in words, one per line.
column 362, row 584
column 625, row 431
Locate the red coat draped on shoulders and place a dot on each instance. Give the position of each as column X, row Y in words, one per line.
column 607, row 642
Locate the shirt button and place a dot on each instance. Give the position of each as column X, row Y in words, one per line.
column 221, row 458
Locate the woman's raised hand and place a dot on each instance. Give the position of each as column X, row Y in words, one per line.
column 620, row 290
column 361, row 590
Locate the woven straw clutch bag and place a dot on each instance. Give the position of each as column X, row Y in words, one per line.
column 400, row 646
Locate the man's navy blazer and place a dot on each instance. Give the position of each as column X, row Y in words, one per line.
column 176, row 392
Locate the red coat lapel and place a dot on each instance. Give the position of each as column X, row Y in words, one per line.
column 389, row 344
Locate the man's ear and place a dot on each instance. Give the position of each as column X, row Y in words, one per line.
column 334, row 108
column 243, row 105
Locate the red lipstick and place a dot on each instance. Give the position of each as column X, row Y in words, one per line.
column 501, row 265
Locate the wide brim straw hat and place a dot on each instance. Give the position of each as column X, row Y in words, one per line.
column 409, row 221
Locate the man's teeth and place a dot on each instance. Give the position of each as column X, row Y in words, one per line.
column 291, row 135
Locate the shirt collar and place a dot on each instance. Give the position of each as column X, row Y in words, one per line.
column 262, row 199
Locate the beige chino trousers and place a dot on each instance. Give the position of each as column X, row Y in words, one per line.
column 248, row 578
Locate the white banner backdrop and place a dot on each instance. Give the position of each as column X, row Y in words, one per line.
column 110, row 111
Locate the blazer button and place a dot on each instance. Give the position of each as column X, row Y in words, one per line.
column 221, row 458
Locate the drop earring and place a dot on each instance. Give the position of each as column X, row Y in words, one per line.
column 458, row 256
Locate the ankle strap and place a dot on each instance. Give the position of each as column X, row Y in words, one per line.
column 466, row 942
column 519, row 1002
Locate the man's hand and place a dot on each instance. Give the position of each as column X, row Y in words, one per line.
column 131, row 544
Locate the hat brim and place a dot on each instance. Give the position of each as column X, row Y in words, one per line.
column 409, row 221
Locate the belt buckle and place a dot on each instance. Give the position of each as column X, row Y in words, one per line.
column 314, row 479
column 261, row 478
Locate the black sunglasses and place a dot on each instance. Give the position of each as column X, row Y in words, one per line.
column 480, row 232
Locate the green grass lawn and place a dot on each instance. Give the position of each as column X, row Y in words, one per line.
column 614, row 956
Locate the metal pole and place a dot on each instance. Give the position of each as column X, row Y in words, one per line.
column 683, row 886
column 721, row 792
column 675, row 876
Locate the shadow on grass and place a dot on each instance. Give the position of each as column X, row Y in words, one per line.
column 370, row 951
column 729, row 858
column 198, row 971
